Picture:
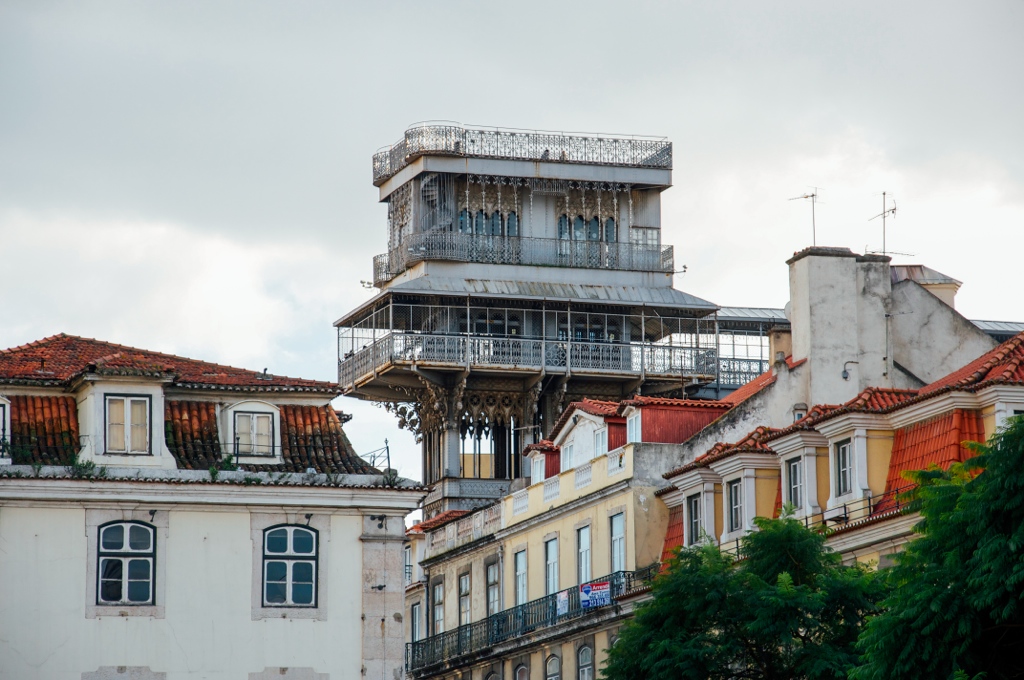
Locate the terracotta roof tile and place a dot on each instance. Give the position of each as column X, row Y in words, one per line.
column 753, row 442
column 59, row 359
column 1002, row 365
column 603, row 409
column 44, row 430
column 436, row 521
column 642, row 401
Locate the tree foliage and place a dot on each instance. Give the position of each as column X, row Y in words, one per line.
column 956, row 608
column 787, row 609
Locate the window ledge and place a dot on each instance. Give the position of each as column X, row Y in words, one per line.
column 103, row 611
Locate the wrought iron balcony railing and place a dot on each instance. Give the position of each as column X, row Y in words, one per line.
column 398, row 348
column 452, row 139
column 546, row 252
column 545, row 612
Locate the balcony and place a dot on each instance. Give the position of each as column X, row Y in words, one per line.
column 452, row 139
column 509, row 625
column 472, row 527
column 459, row 351
column 543, row 252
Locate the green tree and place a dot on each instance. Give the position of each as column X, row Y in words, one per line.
column 958, row 589
column 787, row 610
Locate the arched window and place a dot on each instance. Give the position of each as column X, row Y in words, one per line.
column 126, row 554
column 464, row 226
column 585, row 663
column 563, row 227
column 609, row 230
column 553, row 668
column 579, row 228
column 512, row 225
column 495, row 224
column 522, row 673
column 594, row 230
column 289, row 566
column 480, row 223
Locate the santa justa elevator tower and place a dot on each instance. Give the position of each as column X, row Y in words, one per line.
column 524, row 270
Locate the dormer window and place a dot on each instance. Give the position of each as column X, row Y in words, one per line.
column 735, row 500
column 127, row 424
column 633, row 428
column 795, row 481
column 601, row 442
column 537, row 473
column 844, row 467
column 254, row 434
column 567, row 457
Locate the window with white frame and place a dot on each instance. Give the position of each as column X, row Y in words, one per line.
column 795, row 482
column 254, row 434
column 551, row 566
column 463, row 599
column 127, row 424
column 633, row 428
column 693, row 515
column 520, row 567
column 567, row 457
column 522, row 673
column 438, row 605
column 585, row 663
column 734, row 497
column 493, row 589
column 553, row 668
column 618, row 536
column 583, row 554
column 408, row 564
column 414, row 623
column 844, row 467
column 537, row 473
column 289, row 566
column 126, row 569
column 601, row 442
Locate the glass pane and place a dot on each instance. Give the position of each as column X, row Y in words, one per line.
column 578, row 228
column 139, row 538
column 277, row 541
column 302, row 572
column 140, row 414
column 512, row 227
column 111, row 569
column 302, row 542
column 138, row 591
column 115, row 411
column 263, row 434
column 139, row 429
column 275, row 593
column 302, row 593
column 609, row 230
column 277, row 571
column 243, row 432
column 110, row 591
column 113, row 538
column 138, row 570
column 594, row 230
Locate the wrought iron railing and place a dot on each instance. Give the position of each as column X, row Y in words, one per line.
column 549, row 252
column 452, row 139
column 545, row 612
column 398, row 347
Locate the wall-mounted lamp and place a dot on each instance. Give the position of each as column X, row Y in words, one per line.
column 846, row 373
column 575, row 419
column 152, row 514
column 379, row 586
column 381, row 520
column 309, row 517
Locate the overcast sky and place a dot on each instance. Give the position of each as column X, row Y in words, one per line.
column 194, row 177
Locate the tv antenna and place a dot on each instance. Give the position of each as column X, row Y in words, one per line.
column 814, row 199
column 886, row 210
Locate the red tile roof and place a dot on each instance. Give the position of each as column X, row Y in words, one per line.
column 544, row 445
column 436, row 521
column 667, row 402
column 938, row 441
column 753, row 442
column 674, row 535
column 1002, row 365
column 603, row 409
column 749, row 389
column 59, row 359
column 44, row 430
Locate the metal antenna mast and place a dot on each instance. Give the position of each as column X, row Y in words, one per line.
column 814, row 199
column 885, row 211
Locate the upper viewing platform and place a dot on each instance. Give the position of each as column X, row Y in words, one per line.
column 452, row 139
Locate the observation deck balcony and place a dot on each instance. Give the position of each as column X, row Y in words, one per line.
column 452, row 139
column 457, row 247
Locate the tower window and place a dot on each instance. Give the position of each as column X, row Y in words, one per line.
column 594, row 230
column 464, row 226
column 579, row 228
column 480, row 223
column 512, row 225
column 563, row 227
column 495, row 229
column 609, row 230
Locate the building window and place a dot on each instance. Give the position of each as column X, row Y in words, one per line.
column 495, row 224
column 493, row 590
column 594, row 229
column 583, row 554
column 585, row 663
column 464, row 225
column 520, row 566
column 522, row 673
column 567, row 457
column 693, row 510
column 537, row 474
column 289, row 567
column 463, row 599
column 414, row 622
column 579, row 228
column 618, row 534
column 127, row 424
column 609, row 230
column 844, row 468
column 553, row 668
column 127, row 552
column 794, row 475
column 551, row 566
column 633, row 428
column 5, row 438
column 512, row 225
column 601, row 442
column 735, row 500
column 480, row 223
column 438, row 608
column 254, row 434
column 408, row 564
column 563, row 227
